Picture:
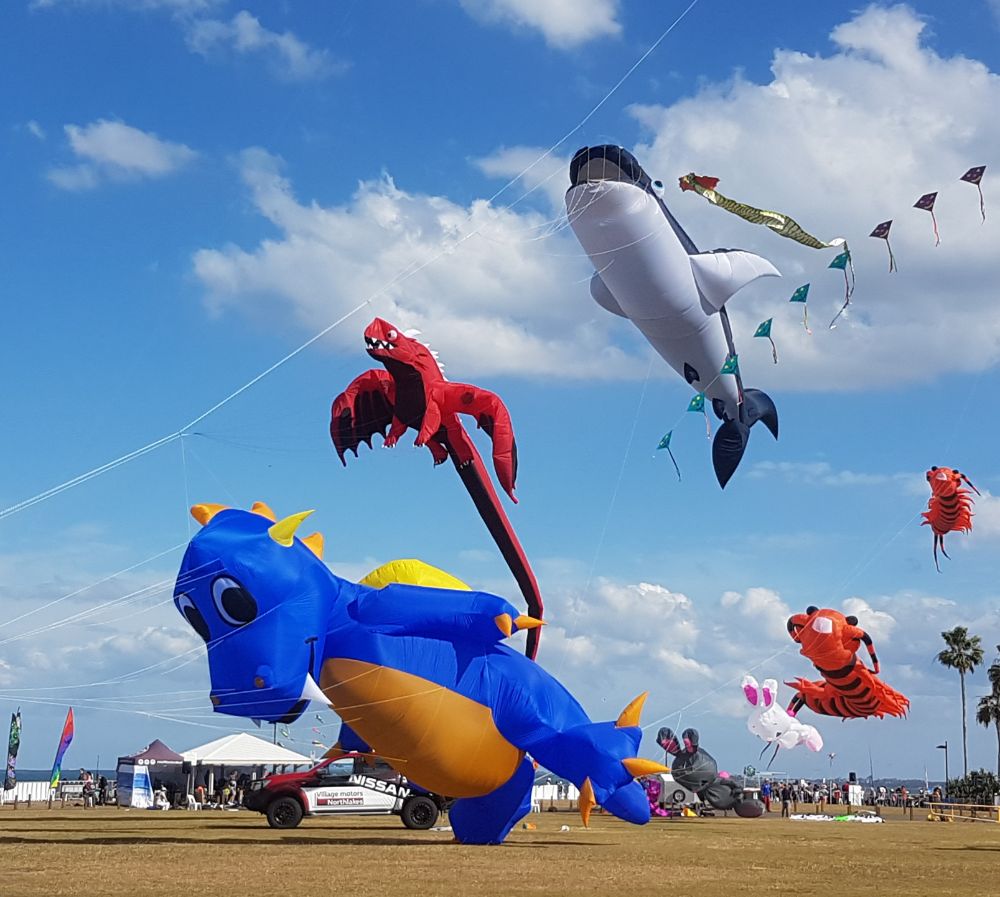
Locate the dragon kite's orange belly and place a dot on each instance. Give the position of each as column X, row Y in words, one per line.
column 443, row 741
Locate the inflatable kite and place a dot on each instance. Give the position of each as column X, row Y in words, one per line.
column 771, row 722
column 781, row 224
column 848, row 688
column 950, row 506
column 649, row 271
column 412, row 392
column 418, row 674
column 695, row 769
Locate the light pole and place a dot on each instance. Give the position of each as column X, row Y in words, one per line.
column 944, row 747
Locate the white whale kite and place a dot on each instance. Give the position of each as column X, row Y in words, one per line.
column 650, row 271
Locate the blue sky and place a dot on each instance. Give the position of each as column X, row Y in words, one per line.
column 195, row 188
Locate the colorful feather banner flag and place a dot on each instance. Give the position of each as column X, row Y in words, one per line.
column 665, row 444
column 926, row 202
column 697, row 403
column 10, row 779
column 731, row 365
column 975, row 176
column 64, row 740
column 764, row 329
column 780, row 223
column 881, row 232
column 843, row 262
column 802, row 295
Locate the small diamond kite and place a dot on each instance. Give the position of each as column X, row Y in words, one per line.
column 843, row 262
column 764, row 329
column 665, row 444
column 881, row 232
column 975, row 176
column 732, row 365
column 802, row 295
column 697, row 403
column 926, row 202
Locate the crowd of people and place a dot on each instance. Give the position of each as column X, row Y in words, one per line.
column 789, row 794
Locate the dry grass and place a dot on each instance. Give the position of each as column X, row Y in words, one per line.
column 105, row 852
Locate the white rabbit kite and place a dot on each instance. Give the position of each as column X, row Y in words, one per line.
column 771, row 722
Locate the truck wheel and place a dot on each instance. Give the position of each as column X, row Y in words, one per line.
column 679, row 796
column 419, row 812
column 285, row 812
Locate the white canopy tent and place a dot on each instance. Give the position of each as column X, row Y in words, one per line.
column 243, row 749
column 240, row 751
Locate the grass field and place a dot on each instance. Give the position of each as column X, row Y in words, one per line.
column 106, row 851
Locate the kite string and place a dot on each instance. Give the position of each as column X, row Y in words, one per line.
column 406, row 273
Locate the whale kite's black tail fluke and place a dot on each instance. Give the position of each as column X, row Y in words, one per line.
column 732, row 437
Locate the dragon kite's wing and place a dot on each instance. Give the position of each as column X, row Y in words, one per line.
column 362, row 410
column 493, row 418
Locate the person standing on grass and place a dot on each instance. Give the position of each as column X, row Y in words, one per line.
column 765, row 795
column 786, row 800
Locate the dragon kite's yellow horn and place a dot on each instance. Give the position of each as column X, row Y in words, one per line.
column 283, row 532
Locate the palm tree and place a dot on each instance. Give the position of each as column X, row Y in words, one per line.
column 964, row 653
column 988, row 711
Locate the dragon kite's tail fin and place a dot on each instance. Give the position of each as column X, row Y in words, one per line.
column 601, row 759
column 732, row 437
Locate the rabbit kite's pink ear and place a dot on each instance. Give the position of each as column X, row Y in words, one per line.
column 770, row 691
column 749, row 686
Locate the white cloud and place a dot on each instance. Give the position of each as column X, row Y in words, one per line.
column 850, row 156
column 878, row 624
column 36, row 130
column 289, row 57
column 474, row 279
column 762, row 611
column 537, row 169
column 986, row 517
column 563, row 23
column 843, row 142
column 822, row 473
column 182, row 7
column 114, row 151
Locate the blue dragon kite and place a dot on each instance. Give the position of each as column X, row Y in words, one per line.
column 418, row 674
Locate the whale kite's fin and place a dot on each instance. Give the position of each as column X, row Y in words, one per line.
column 603, row 296
column 732, row 437
column 722, row 273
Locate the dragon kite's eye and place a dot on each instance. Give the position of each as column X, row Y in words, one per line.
column 235, row 604
column 851, row 620
column 191, row 613
column 811, row 609
column 392, row 334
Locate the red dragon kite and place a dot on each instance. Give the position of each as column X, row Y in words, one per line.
column 412, row 392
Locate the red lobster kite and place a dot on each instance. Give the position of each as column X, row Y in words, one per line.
column 412, row 392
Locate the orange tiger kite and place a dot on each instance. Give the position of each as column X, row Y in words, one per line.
column 848, row 688
column 950, row 506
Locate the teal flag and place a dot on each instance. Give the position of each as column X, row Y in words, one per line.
column 802, row 293
column 732, row 365
column 697, row 403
